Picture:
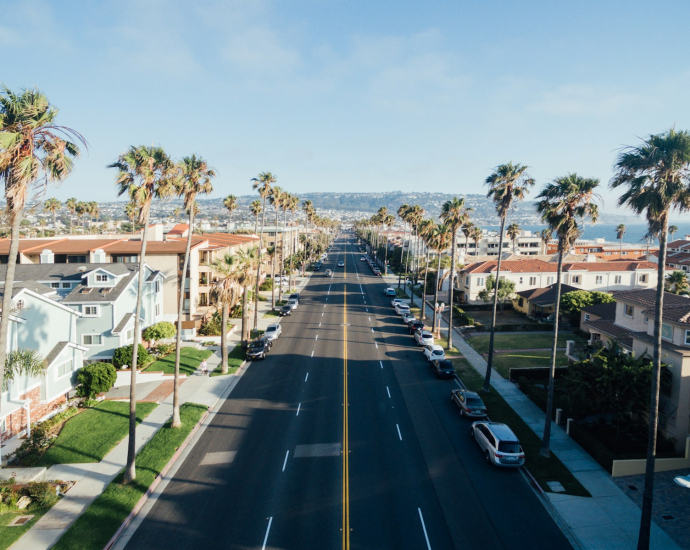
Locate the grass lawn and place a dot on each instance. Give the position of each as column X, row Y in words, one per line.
column 236, row 357
column 400, row 293
column 190, row 358
column 543, row 469
column 91, row 435
column 272, row 313
column 98, row 523
column 503, row 362
column 443, row 342
column 519, row 341
column 9, row 535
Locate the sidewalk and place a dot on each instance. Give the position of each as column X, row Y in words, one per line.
column 607, row 521
column 93, row 478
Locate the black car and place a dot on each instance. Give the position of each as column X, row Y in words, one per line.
column 317, row 266
column 285, row 310
column 258, row 348
column 443, row 369
column 294, row 296
column 414, row 325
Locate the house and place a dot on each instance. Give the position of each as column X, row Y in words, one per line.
column 39, row 322
column 633, row 328
column 527, row 243
column 605, row 250
column 529, row 273
column 539, row 302
column 597, row 312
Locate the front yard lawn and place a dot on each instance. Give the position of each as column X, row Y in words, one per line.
column 543, row 469
column 503, row 362
column 9, row 535
column 91, row 435
column 519, row 340
column 443, row 342
column 236, row 357
column 95, row 527
column 190, row 359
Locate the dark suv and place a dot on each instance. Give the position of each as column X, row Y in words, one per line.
column 443, row 368
column 258, row 348
column 414, row 326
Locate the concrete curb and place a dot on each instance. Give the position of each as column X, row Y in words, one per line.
column 140, row 504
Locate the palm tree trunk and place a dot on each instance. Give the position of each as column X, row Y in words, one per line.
column 282, row 261
column 411, row 278
column 438, row 272
column 70, row 222
column 487, row 377
column 426, row 276
column 130, row 470
column 620, row 254
column 224, row 338
column 176, row 421
column 450, row 291
column 55, row 231
column 647, row 496
column 7, row 296
column 273, row 266
column 402, row 253
column 546, row 440
column 256, row 221
column 258, row 269
column 385, row 258
column 245, row 313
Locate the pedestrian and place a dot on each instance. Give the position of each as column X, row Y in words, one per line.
column 204, row 367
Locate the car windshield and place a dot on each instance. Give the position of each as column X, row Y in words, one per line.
column 256, row 345
column 438, row 352
column 475, row 402
column 426, row 335
column 286, row 308
column 270, row 329
column 509, row 447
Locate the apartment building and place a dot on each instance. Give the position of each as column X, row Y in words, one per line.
column 527, row 243
column 606, row 250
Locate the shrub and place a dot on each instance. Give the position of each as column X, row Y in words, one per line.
column 95, row 378
column 123, row 356
column 42, row 492
column 212, row 326
column 159, row 331
column 266, row 285
column 164, row 349
column 31, row 449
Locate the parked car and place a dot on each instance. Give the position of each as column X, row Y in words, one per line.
column 434, row 352
column 469, row 403
column 389, row 292
column 500, row 445
column 317, row 266
column 414, row 326
column 285, row 310
column 294, row 296
column 273, row 331
column 329, row 273
column 293, row 303
column 258, row 348
column 402, row 308
column 424, row 338
column 396, row 301
column 377, row 271
column 341, row 264
column 408, row 318
column 443, row 369
column 363, row 259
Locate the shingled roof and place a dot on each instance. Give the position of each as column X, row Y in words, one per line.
column 647, row 298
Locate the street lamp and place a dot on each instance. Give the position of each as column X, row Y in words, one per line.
column 438, row 308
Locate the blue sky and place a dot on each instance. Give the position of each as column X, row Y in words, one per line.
column 355, row 95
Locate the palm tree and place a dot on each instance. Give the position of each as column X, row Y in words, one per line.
column 454, row 215
column 81, row 209
column 467, row 231
column 508, row 184
column 255, row 209
column 563, row 205
column 144, row 173
column 276, row 199
column 284, row 243
column 672, row 229
column 620, row 231
column 439, row 238
column 513, row 232
column 230, row 203
column 52, row 205
column 245, row 273
column 263, row 183
column 132, row 212
column 677, row 282
column 71, row 205
column 415, row 216
column 655, row 174
column 476, row 236
column 402, row 214
column 34, row 151
column 225, row 292
column 426, row 231
column 293, row 206
column 194, row 179
column 546, row 235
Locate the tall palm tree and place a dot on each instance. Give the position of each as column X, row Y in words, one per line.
column 672, row 229
column 476, row 236
column 34, row 151
column 508, row 184
column 546, row 235
column 245, row 273
column 194, row 178
column 276, row 199
column 144, row 173
column 132, row 212
column 71, row 205
column 439, row 238
column 264, row 182
column 402, row 214
column 293, row 206
column 81, row 209
column 454, row 214
column 467, row 232
column 415, row 216
column 655, row 175
column 225, row 291
column 230, row 203
column 52, row 205
column 513, row 232
column 255, row 209
column 620, row 231
column 284, row 242
column 563, row 205
column 426, row 231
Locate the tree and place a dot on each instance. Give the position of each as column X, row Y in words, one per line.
column 546, row 235
column 672, row 229
column 573, row 302
column 620, row 231
column 263, row 183
column 564, row 203
column 159, row 331
column 439, row 238
column 506, row 291
column 52, row 205
column 34, row 151
column 81, row 209
column 677, row 282
column 71, row 205
column 293, row 206
column 255, row 209
column 513, row 232
column 276, row 198
column 454, row 214
column 225, row 292
column 655, row 175
column 402, row 214
column 426, row 231
column 508, row 184
column 230, row 203
column 132, row 212
column 476, row 236
column 245, row 274
column 144, row 173
column 22, row 362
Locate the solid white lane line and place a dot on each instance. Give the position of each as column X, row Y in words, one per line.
column 307, row 376
column 421, row 518
column 312, row 353
column 285, row 462
column 298, row 408
column 270, row 520
column 389, row 392
column 381, row 363
column 399, row 434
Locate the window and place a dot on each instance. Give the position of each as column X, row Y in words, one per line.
column 130, row 334
column 480, row 281
column 64, row 369
column 521, row 302
column 643, row 278
column 467, row 281
column 607, row 253
column 532, row 281
column 617, row 279
column 66, row 285
column 576, row 279
column 687, row 337
column 54, row 285
column 92, row 340
column 203, row 299
column 586, row 316
column 520, row 280
column 599, row 279
column 101, row 278
column 628, row 310
column 91, row 311
column 549, row 280
column 158, row 309
column 19, row 304
column 157, row 286
column 666, row 332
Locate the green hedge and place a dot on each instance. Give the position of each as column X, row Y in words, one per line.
column 595, row 448
column 527, row 327
column 123, row 356
column 536, row 373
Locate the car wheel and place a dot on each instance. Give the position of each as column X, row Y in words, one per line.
column 472, row 433
column 487, row 456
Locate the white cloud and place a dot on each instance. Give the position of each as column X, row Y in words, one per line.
column 576, row 99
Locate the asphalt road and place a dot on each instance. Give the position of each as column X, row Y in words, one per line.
column 343, row 438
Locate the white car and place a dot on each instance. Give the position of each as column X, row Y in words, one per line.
column 402, row 308
column 407, row 318
column 363, row 259
column 434, row 352
column 500, row 445
column 293, row 303
column 390, row 291
column 424, row 338
column 396, row 301
column 273, row 331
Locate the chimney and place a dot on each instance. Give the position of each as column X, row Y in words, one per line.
column 156, row 232
column 590, row 258
column 47, row 257
column 99, row 256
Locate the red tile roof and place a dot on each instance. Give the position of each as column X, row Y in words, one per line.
column 179, row 229
column 540, row 266
column 680, row 243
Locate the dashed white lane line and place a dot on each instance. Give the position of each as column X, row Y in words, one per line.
column 369, row 318
column 389, row 392
column 268, row 530
column 376, row 344
column 367, row 309
column 324, row 305
column 307, row 376
column 317, row 337
column 285, row 461
column 372, row 329
column 312, row 354
column 319, row 324
column 298, row 408
column 329, row 289
column 322, row 313
column 421, row 518
column 399, row 434
column 381, row 362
